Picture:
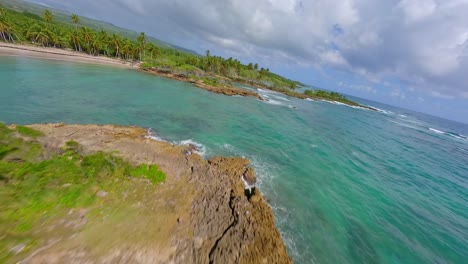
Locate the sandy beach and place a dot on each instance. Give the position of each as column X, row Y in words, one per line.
column 7, row 49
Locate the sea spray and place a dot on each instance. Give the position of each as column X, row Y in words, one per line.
column 199, row 148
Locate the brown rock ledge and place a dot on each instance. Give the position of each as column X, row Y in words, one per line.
column 226, row 90
column 201, row 214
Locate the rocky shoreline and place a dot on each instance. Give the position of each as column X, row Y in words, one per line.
column 202, row 213
column 226, row 90
column 8, row 49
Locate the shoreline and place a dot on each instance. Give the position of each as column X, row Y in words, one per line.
column 56, row 54
column 215, row 215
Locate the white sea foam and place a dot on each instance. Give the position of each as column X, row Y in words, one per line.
column 436, row 131
column 343, row 104
column 274, row 102
column 382, row 111
column 458, row 136
column 281, row 98
column 308, row 99
column 267, row 91
column 153, row 135
column 200, row 149
column 406, row 125
column 338, row 103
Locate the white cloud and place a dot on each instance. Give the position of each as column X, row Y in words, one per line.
column 398, row 93
column 415, row 10
column 421, row 42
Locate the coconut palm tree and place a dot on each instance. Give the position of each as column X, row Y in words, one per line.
column 142, row 40
column 127, row 49
column 6, row 31
column 48, row 17
column 87, row 36
column 104, row 38
column 116, row 42
column 75, row 39
column 75, row 19
column 153, row 50
column 40, row 35
column 96, row 46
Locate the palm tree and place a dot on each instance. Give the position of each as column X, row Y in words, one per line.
column 54, row 37
column 142, row 40
column 48, row 17
column 75, row 38
column 96, row 46
column 87, row 36
column 104, row 38
column 153, row 50
column 75, row 19
column 126, row 49
column 6, row 31
column 116, row 42
column 40, row 35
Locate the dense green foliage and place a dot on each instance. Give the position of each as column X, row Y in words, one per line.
column 212, row 70
column 44, row 31
column 25, row 27
column 331, row 96
column 34, row 189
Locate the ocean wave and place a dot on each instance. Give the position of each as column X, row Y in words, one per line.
column 199, row 148
column 406, row 125
column 459, row 136
column 268, row 100
column 281, row 98
column 274, row 102
column 343, row 104
column 382, row 111
column 267, row 91
column 151, row 134
column 449, row 134
column 436, row 131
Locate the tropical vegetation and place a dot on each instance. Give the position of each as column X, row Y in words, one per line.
column 38, row 188
column 24, row 27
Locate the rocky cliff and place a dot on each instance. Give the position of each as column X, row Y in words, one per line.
column 202, row 213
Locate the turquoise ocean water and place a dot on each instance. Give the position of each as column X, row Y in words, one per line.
column 346, row 185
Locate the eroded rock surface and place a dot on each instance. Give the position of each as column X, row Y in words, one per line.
column 201, row 214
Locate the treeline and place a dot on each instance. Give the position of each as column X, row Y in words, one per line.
column 331, row 96
column 24, row 27
column 46, row 32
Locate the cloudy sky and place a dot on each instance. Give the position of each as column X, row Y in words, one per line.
column 409, row 53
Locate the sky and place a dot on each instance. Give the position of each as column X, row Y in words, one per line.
column 408, row 53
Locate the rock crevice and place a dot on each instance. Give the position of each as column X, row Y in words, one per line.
column 234, row 222
column 207, row 215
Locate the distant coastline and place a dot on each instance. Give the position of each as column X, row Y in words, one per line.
column 30, row 51
column 17, row 50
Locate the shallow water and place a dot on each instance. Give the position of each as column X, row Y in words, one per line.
column 346, row 185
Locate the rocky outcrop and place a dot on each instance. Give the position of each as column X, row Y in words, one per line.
column 228, row 90
column 208, row 218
